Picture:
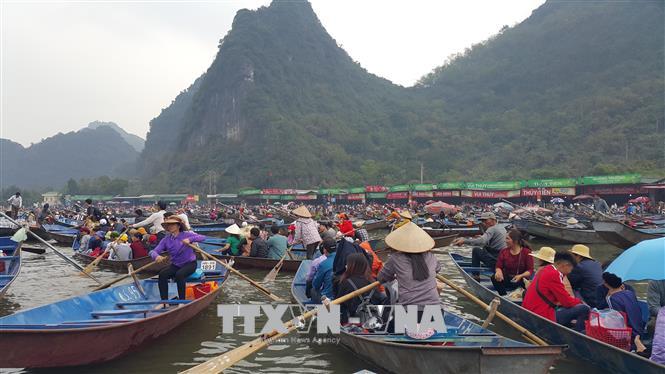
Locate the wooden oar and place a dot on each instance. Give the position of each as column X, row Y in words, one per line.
column 91, row 266
column 35, row 250
column 64, row 257
column 236, row 272
column 273, row 273
column 228, row 359
column 131, row 273
column 526, row 333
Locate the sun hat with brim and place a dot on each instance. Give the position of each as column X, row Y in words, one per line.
column 572, row 221
column 174, row 219
column 487, row 215
column 358, row 224
column 582, row 250
column 405, row 214
column 233, row 229
column 545, row 253
column 410, row 239
column 302, row 211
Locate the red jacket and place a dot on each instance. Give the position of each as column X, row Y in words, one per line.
column 549, row 282
column 346, row 228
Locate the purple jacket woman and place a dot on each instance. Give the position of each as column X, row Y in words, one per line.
column 658, row 349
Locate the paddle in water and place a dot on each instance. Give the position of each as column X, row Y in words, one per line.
column 91, row 266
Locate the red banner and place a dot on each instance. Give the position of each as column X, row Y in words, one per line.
column 272, row 191
column 305, row 197
column 397, row 195
column 548, row 191
column 428, row 194
column 376, row 189
column 614, row 190
column 355, row 196
column 446, row 193
column 491, row 194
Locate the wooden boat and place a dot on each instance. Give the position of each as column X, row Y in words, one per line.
column 371, row 225
column 620, row 235
column 559, row 234
column 600, row 354
column 38, row 230
column 465, row 348
column 242, row 262
column 121, row 266
column 68, row 222
column 461, row 231
column 12, row 262
column 99, row 326
column 64, row 235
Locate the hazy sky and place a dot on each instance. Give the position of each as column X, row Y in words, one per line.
column 67, row 63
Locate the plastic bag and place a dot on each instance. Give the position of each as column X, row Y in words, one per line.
column 20, row 235
column 609, row 318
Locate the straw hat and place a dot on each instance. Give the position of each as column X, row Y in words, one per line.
column 545, row 253
column 572, row 221
column 176, row 220
column 233, row 229
column 582, row 250
column 405, row 214
column 358, row 224
column 302, row 211
column 410, row 239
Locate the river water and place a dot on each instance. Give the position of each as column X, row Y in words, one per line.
column 47, row 278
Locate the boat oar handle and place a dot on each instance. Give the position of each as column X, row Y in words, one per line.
column 264, row 290
column 228, row 359
column 108, row 284
column 501, row 316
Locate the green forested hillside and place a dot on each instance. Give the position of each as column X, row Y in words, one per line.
column 577, row 88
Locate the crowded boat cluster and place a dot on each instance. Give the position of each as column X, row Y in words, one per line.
column 359, row 256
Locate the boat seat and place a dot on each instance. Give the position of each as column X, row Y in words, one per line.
column 122, row 312
column 100, row 321
column 152, row 302
column 9, row 258
column 6, row 277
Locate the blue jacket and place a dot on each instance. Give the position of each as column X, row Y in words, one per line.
column 323, row 279
column 585, row 278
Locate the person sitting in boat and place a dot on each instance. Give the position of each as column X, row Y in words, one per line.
column 547, row 297
column 43, row 214
column 154, row 220
column 104, row 225
column 487, row 246
column 84, row 240
column 586, row 276
column 276, row 243
column 573, row 223
column 413, row 265
column 137, row 246
column 306, row 231
column 658, row 342
column 623, row 300
column 259, row 247
column 326, row 231
column 322, row 283
column 655, row 296
column 95, row 244
column 345, row 226
column 120, row 250
column 513, row 264
column 361, row 233
column 404, row 218
column 326, row 244
column 233, row 241
column 183, row 258
column 356, row 276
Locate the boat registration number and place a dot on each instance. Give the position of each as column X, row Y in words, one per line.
column 208, row 265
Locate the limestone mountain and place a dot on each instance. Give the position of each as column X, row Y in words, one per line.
column 134, row 140
column 575, row 89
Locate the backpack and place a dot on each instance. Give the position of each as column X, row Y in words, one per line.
column 370, row 318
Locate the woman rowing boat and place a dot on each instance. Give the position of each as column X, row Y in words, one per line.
column 183, row 258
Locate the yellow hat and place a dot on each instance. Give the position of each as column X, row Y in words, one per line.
column 545, row 253
column 410, row 239
column 405, row 214
column 582, row 250
column 123, row 238
column 302, row 211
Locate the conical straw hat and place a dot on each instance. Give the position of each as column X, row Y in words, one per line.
column 406, row 214
column 233, row 229
column 302, row 211
column 572, row 221
column 582, row 250
column 410, row 239
column 545, row 254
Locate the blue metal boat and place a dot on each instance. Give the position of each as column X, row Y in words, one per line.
column 605, row 356
column 464, row 348
column 101, row 325
column 11, row 261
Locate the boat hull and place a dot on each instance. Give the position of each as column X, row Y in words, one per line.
column 84, row 346
column 63, row 239
column 605, row 356
column 241, row 262
column 620, row 235
column 12, row 267
column 561, row 234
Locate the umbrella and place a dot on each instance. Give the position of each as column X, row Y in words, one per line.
column 642, row 261
column 558, row 200
column 503, row 205
column 641, row 199
column 437, row 207
column 583, row 197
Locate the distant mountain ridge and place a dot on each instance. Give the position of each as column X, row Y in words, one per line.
column 90, row 152
column 134, row 140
